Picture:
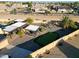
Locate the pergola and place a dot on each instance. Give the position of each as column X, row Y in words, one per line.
column 9, row 28
column 19, row 20
column 13, row 27
column 19, row 24
column 32, row 28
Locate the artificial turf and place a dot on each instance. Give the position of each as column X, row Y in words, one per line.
column 46, row 38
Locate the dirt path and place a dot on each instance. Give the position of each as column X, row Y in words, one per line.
column 6, row 16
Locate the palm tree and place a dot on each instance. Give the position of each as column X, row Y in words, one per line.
column 67, row 23
column 73, row 25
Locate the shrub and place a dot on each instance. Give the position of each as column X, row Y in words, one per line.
column 13, row 11
column 47, row 52
column 39, row 56
column 67, row 23
column 29, row 20
column 20, row 33
column 47, row 12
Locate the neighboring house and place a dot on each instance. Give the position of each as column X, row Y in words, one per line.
column 62, row 9
column 24, row 6
column 39, row 11
column 38, row 5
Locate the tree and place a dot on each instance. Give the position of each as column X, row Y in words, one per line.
column 50, row 6
column 75, row 4
column 56, row 9
column 14, row 11
column 9, row 4
column 47, row 12
column 76, row 11
column 29, row 4
column 29, row 9
column 29, row 20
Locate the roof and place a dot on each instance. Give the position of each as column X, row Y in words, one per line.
column 32, row 27
column 19, row 20
column 13, row 26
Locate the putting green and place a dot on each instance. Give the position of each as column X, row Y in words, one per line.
column 46, row 38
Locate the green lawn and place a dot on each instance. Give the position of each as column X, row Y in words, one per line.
column 46, row 38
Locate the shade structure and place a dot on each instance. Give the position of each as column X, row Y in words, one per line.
column 9, row 28
column 19, row 24
column 14, row 26
column 19, row 20
column 32, row 28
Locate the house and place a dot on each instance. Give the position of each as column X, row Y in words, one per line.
column 62, row 9
column 25, row 6
column 39, row 10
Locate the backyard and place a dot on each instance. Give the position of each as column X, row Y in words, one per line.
column 38, row 40
column 32, row 42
